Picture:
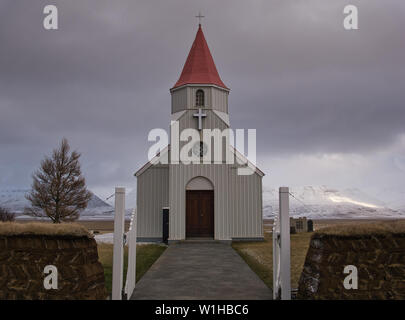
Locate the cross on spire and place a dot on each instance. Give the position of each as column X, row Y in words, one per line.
column 200, row 16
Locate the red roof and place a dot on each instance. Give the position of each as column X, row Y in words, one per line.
column 200, row 67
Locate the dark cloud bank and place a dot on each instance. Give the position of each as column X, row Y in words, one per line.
column 102, row 80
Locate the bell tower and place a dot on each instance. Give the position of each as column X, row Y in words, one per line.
column 200, row 89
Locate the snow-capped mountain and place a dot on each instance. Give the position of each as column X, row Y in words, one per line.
column 130, row 199
column 15, row 201
column 321, row 202
column 317, row 202
column 393, row 197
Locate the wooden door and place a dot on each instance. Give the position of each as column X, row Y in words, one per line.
column 200, row 213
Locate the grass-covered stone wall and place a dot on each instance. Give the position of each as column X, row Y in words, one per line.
column 25, row 250
column 377, row 250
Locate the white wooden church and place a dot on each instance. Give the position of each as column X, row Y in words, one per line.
column 204, row 200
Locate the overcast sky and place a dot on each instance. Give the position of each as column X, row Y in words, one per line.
column 328, row 104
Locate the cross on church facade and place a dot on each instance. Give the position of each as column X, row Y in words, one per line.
column 199, row 115
column 200, row 16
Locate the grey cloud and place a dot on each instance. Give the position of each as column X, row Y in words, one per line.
column 103, row 79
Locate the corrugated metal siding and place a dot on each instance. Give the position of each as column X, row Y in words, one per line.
column 179, row 100
column 245, row 205
column 219, row 100
column 152, row 196
column 214, row 98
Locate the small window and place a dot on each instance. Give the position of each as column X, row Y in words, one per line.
column 199, row 98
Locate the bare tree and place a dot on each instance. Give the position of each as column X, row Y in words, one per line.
column 59, row 189
column 6, row 215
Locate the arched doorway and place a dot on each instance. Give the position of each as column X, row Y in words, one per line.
column 199, row 208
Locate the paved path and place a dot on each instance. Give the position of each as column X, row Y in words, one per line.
column 200, row 271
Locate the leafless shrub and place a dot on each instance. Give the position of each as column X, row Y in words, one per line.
column 6, row 215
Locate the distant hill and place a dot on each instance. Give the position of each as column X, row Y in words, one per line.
column 322, row 202
column 316, row 202
column 14, row 200
column 393, row 197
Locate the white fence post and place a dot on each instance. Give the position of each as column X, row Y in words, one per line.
column 131, row 241
column 276, row 256
column 285, row 265
column 281, row 248
column 118, row 255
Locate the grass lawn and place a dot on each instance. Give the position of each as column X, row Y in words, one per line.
column 146, row 255
column 259, row 256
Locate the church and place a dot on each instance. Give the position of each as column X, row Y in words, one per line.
column 203, row 200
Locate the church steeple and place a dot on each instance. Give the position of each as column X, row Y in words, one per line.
column 199, row 85
column 200, row 66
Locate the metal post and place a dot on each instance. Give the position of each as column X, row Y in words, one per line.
column 118, row 255
column 165, row 224
column 285, row 266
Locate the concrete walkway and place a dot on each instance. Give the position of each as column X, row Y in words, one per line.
column 200, row 271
